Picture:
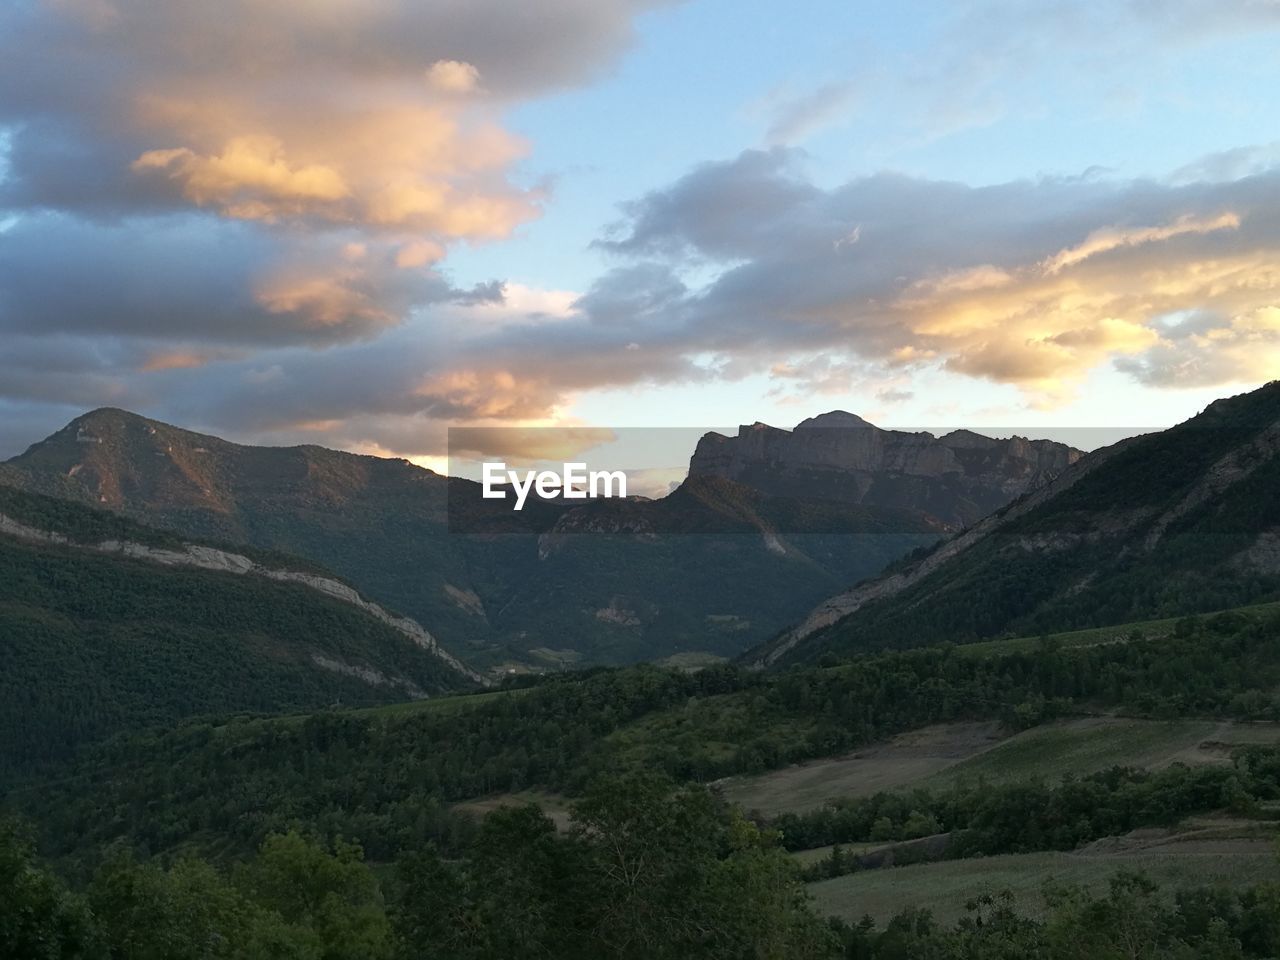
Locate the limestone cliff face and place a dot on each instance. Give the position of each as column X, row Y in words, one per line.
column 956, row 478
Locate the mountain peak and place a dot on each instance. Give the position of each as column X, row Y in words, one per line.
column 113, row 418
column 835, row 419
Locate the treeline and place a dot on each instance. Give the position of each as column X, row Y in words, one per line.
column 645, row 873
column 387, row 778
column 987, row 819
column 1224, row 665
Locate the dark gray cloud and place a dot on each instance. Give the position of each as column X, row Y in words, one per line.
column 87, row 87
column 191, row 280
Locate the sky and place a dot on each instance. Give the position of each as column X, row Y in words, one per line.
column 362, row 222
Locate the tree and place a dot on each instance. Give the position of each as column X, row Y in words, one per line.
column 189, row 912
column 39, row 918
column 333, row 894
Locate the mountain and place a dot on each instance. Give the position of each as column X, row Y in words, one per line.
column 107, row 625
column 955, row 479
column 1182, row 521
column 713, row 569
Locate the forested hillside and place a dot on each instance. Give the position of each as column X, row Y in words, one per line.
column 337, row 834
column 1177, row 522
column 388, row 777
column 99, row 640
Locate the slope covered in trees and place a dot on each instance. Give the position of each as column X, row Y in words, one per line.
column 1171, row 523
column 96, row 641
column 387, row 778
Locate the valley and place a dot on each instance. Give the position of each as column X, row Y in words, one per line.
column 639, row 480
column 1102, row 756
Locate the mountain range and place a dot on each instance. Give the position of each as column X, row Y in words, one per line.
column 133, row 653
column 728, row 559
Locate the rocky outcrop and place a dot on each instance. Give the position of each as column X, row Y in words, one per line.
column 224, row 561
column 956, row 478
column 375, row 678
column 618, row 613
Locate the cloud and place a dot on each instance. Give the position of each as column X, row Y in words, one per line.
column 988, row 60
column 729, row 272
column 185, row 278
column 1210, row 350
column 205, row 207
column 524, row 445
column 891, row 395
column 238, row 216
column 177, row 360
column 795, row 118
column 1029, row 283
column 251, row 179
column 453, row 76
column 260, row 141
column 1111, row 238
column 1230, row 164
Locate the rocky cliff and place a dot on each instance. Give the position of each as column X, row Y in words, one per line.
column 955, row 479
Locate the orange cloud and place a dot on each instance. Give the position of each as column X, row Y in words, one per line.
column 250, row 179
column 175, row 360
column 483, row 394
column 395, row 166
column 1044, row 325
column 322, row 300
column 419, row 253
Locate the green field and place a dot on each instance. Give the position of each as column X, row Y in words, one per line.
column 553, row 805
column 455, row 703
column 692, row 660
column 1089, row 744
column 901, row 762
column 945, row 887
column 1117, row 633
column 806, row 857
column 937, row 757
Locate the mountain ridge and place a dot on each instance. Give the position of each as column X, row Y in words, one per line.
column 1166, row 523
column 715, row 567
column 384, row 525
column 956, row 479
column 219, row 560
